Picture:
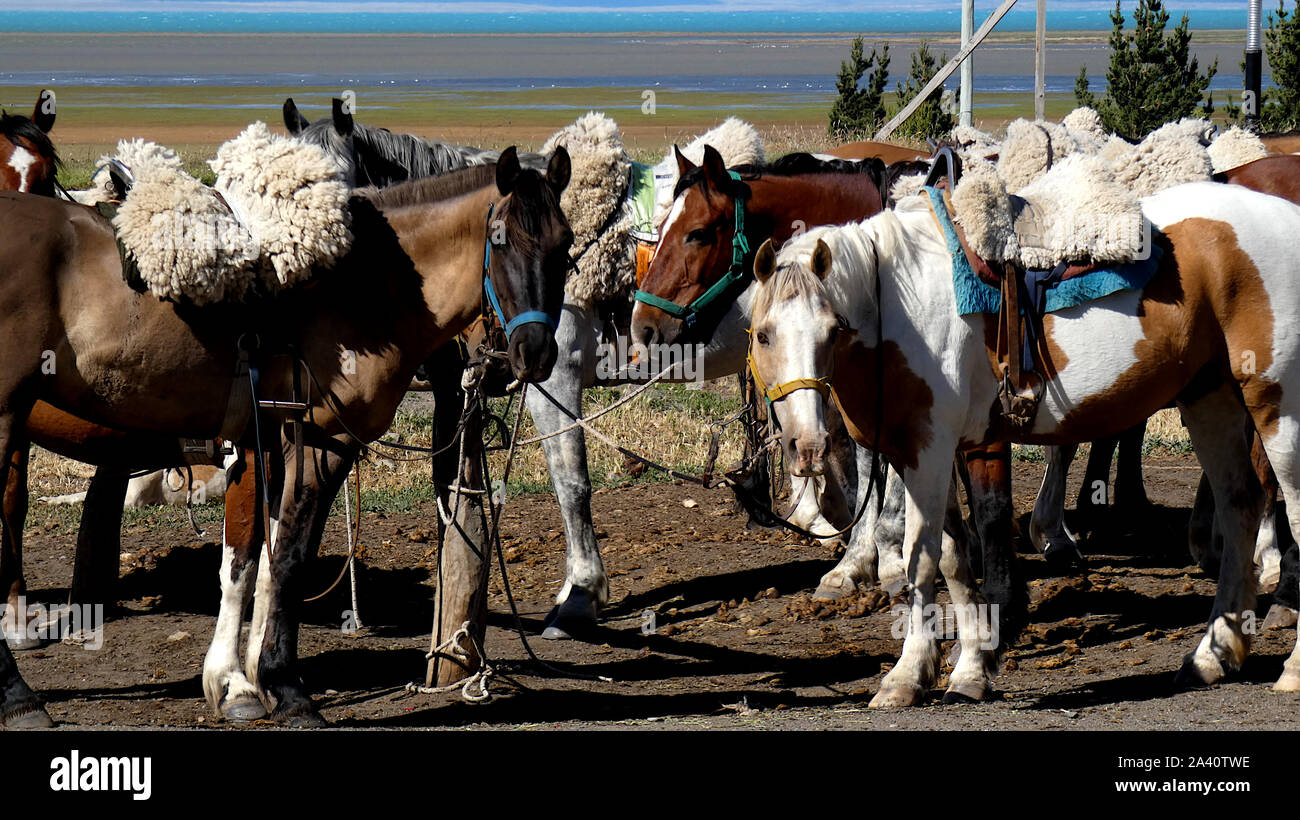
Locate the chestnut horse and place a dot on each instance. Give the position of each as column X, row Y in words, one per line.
column 887, row 153
column 28, row 161
column 694, row 256
column 422, row 258
column 873, row 304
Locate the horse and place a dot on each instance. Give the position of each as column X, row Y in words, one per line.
column 886, row 152
column 28, row 161
column 423, row 255
column 873, row 303
column 695, row 256
column 376, row 157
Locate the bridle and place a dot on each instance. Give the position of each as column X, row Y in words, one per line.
column 735, row 274
column 780, row 391
column 525, row 318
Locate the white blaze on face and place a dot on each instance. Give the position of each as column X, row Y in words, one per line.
column 798, row 333
column 22, row 160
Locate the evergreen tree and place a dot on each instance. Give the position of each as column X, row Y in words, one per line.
column 1280, row 108
column 860, row 108
column 1152, row 79
column 932, row 119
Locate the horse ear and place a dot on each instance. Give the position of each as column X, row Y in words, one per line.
column 43, row 113
column 294, row 121
column 765, row 261
column 508, row 170
column 342, row 119
column 714, row 164
column 683, row 164
column 558, row 169
column 821, row 259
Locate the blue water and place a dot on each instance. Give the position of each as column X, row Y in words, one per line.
column 776, row 22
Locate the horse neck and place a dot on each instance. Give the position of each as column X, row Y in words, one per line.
column 444, row 242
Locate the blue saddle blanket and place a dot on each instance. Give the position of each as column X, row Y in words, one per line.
column 974, row 295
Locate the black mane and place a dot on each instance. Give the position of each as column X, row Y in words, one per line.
column 789, row 165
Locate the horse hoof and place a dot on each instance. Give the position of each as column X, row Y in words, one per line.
column 311, row 720
column 1194, row 675
column 893, row 697
column 965, row 693
column 574, row 618
column 1289, row 682
column 1064, row 560
column 22, row 643
column 243, row 709
column 32, row 717
column 1279, row 617
column 834, row 590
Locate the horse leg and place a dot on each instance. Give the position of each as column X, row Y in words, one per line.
column 927, row 492
column 977, row 634
column 992, row 510
column 1204, row 541
column 1130, row 494
column 586, row 586
column 1238, row 503
column 99, row 539
column 1268, row 555
column 1095, row 492
column 1047, row 529
column 15, row 612
column 19, row 706
column 228, row 691
column 860, row 556
column 302, row 517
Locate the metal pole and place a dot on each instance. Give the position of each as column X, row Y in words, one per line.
column 968, row 65
column 1040, row 63
column 1254, row 66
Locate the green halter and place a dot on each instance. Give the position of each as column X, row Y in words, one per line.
column 734, row 274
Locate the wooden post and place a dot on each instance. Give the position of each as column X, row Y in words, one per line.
column 1040, row 63
column 967, row 65
column 463, row 580
column 945, row 72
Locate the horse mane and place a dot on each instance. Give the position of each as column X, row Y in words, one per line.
column 796, row 164
column 419, row 157
column 14, row 127
column 430, row 189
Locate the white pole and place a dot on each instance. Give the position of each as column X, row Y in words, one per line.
column 1040, row 63
column 968, row 65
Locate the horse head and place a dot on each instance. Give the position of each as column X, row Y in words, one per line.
column 526, row 259
column 696, row 243
column 792, row 345
column 28, row 161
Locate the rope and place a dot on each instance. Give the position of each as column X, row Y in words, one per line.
column 453, row 648
column 582, row 422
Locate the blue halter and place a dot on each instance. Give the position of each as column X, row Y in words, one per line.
column 525, row 318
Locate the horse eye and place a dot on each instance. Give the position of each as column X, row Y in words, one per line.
column 703, row 236
column 762, row 338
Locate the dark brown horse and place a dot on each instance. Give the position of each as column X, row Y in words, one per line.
column 414, row 277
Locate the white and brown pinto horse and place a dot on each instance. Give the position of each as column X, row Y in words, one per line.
column 1208, row 331
column 28, row 162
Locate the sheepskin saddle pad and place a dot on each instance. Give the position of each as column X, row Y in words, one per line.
column 277, row 213
column 1063, row 285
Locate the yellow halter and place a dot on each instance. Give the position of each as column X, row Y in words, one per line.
column 780, row 391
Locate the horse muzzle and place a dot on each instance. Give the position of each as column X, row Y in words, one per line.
column 533, row 352
column 652, row 326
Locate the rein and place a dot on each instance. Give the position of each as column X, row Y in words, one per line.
column 528, row 316
column 734, row 275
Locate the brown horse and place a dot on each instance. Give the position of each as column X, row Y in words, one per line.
column 28, row 161
column 884, row 151
column 693, row 256
column 416, row 274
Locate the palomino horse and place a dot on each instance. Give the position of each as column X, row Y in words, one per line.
column 28, row 161
column 695, row 255
column 422, row 257
column 873, row 304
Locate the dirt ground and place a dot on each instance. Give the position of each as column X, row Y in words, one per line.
column 738, row 643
